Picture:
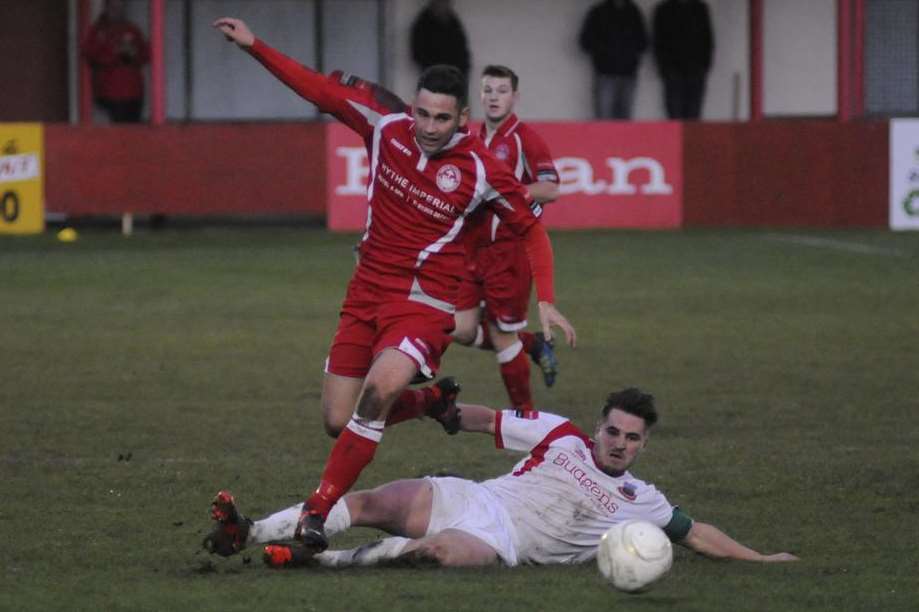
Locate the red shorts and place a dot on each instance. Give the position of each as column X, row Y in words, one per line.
column 498, row 275
column 372, row 321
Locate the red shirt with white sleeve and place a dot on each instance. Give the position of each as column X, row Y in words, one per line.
column 418, row 204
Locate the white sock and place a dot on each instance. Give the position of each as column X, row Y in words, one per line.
column 278, row 526
column 282, row 525
column 339, row 518
column 368, row 554
column 510, row 352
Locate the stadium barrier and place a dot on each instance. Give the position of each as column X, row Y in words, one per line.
column 643, row 175
column 195, row 169
column 786, row 173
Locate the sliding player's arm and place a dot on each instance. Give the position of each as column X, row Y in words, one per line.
column 477, row 419
column 712, row 542
column 520, row 430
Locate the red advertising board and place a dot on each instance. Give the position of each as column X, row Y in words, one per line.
column 613, row 175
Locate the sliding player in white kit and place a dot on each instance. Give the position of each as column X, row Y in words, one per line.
column 553, row 507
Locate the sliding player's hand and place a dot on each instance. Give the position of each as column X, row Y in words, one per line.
column 549, row 316
column 235, row 30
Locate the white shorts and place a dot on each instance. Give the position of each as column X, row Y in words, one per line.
column 467, row 506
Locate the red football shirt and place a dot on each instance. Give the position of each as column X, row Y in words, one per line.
column 419, row 205
column 527, row 155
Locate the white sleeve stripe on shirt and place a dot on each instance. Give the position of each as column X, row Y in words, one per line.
column 483, row 190
column 521, row 159
column 372, row 117
column 375, row 158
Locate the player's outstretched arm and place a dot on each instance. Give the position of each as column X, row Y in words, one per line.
column 236, row 31
column 712, row 542
column 476, row 418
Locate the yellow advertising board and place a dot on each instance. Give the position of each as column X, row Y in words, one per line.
column 22, row 207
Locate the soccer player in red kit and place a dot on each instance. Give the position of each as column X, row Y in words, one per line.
column 428, row 177
column 498, row 271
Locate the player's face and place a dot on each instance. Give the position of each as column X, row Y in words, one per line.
column 619, row 440
column 437, row 117
column 498, row 98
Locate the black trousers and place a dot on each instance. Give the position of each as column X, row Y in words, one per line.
column 683, row 94
column 122, row 111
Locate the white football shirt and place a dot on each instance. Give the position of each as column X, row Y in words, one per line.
column 560, row 502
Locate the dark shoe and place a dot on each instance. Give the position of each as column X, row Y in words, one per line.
column 543, row 355
column 444, row 409
column 311, row 531
column 229, row 535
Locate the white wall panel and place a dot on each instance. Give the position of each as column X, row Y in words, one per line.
column 799, row 57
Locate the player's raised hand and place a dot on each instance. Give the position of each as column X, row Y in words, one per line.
column 549, row 316
column 235, row 30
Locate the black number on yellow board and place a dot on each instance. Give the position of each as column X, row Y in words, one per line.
column 9, row 206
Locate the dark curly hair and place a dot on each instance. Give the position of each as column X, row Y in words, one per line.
column 635, row 402
column 448, row 80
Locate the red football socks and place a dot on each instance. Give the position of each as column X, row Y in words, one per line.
column 516, row 376
column 351, row 453
column 528, row 340
column 412, row 404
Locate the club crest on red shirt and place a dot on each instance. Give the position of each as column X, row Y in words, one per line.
column 448, row 178
column 502, row 152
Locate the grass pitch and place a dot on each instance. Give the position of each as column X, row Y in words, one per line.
column 141, row 375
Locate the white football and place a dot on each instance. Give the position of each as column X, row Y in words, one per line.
column 634, row 554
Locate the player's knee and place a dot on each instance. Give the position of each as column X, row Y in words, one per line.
column 333, row 430
column 378, row 392
column 334, row 421
column 466, row 337
column 435, row 552
column 466, row 326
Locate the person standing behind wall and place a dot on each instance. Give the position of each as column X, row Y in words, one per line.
column 117, row 52
column 438, row 37
column 614, row 36
column 683, row 47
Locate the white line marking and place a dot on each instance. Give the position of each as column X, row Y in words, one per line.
column 839, row 245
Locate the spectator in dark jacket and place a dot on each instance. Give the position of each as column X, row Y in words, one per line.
column 683, row 46
column 614, row 36
column 438, row 37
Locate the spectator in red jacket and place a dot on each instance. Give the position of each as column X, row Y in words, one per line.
column 117, row 52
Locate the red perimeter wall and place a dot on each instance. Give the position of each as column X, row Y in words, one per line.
column 769, row 173
column 197, row 169
column 786, row 173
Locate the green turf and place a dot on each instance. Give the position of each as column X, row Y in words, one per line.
column 139, row 375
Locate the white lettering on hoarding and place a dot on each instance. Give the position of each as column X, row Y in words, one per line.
column 18, row 167
column 356, row 171
column 622, row 169
column 577, row 176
